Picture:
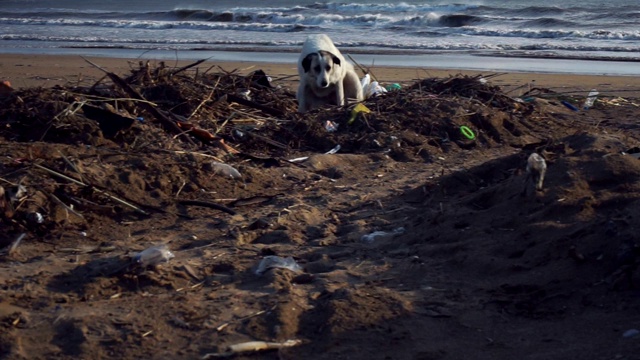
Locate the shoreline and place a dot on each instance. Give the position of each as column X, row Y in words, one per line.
column 522, row 62
column 37, row 70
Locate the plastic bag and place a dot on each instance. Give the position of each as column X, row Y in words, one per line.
column 154, row 255
column 225, row 170
column 369, row 238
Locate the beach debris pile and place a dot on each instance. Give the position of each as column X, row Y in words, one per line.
column 211, row 120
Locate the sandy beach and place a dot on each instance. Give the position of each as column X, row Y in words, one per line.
column 49, row 70
column 150, row 215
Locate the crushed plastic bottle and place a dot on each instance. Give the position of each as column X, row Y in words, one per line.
column 272, row 261
column 225, row 170
column 154, row 255
column 591, row 99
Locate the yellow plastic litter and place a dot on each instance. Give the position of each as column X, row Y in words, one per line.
column 360, row 108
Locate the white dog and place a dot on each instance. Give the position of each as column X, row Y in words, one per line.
column 325, row 76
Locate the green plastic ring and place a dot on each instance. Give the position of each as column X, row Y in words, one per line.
column 468, row 133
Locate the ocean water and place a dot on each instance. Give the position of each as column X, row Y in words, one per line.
column 573, row 29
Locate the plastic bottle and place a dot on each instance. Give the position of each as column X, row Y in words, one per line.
column 591, row 99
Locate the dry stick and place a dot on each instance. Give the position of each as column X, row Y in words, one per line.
column 53, row 172
column 233, row 114
column 267, row 140
column 171, row 125
column 207, row 204
column 201, row 104
column 366, row 71
column 72, row 165
column 263, row 108
column 67, row 207
column 189, row 66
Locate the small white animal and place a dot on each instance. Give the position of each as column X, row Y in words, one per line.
column 536, row 169
column 325, row 76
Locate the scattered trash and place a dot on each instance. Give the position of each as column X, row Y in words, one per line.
column 359, row 108
column 154, row 255
column 225, row 170
column 631, row 333
column 35, row 218
column 591, row 99
column 245, row 94
column 369, row 238
column 334, row 150
column 330, row 126
column 299, row 159
column 272, row 261
column 468, row 133
column 393, row 87
column 373, row 89
column 569, row 105
column 253, row 346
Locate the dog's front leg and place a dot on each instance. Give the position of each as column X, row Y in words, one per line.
column 340, row 100
column 303, row 104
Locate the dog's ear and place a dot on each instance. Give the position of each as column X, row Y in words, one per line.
column 306, row 62
column 336, row 60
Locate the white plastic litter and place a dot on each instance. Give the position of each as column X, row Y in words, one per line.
column 154, row 255
column 272, row 261
column 371, row 88
column 225, row 170
column 374, row 89
column 365, row 81
column 591, row 99
column 369, row 238
column 330, row 126
column 334, row 150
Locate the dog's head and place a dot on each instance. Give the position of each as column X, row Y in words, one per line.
column 320, row 66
